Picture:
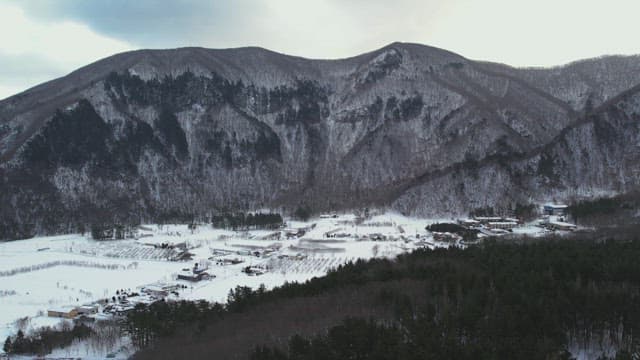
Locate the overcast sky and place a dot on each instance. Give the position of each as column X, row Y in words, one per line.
column 44, row 39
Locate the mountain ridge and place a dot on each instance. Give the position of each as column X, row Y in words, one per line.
column 416, row 128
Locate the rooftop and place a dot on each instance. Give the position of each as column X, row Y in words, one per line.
column 556, row 206
column 65, row 309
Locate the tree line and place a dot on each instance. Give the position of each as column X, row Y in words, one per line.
column 50, row 264
column 249, row 221
column 44, row 340
column 465, row 233
column 607, row 210
column 535, row 300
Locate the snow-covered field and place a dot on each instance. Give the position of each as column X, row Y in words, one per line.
column 61, row 271
column 53, row 272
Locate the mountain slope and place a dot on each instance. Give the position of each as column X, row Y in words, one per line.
column 168, row 134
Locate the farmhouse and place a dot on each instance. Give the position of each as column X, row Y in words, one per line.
column 87, row 309
column 197, row 273
column 555, row 209
column 504, row 225
column 66, row 313
column 469, row 222
column 156, row 291
column 194, row 277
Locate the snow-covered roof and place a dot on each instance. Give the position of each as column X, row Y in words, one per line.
column 556, row 206
column 65, row 309
column 562, row 223
column 471, row 221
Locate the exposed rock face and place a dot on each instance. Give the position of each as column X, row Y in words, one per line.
column 162, row 134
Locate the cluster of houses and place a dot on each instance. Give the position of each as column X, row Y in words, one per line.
column 126, row 300
column 554, row 217
column 197, row 273
column 121, row 306
column 491, row 225
column 492, row 222
column 161, row 291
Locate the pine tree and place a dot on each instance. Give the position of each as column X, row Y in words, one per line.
column 8, row 346
column 19, row 343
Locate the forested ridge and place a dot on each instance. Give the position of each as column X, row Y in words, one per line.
column 176, row 135
column 538, row 299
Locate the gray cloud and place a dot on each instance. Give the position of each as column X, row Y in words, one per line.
column 498, row 30
column 152, row 23
column 325, row 29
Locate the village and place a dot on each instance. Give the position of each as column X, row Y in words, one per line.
column 76, row 278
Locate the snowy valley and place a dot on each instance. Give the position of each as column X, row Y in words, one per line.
column 45, row 281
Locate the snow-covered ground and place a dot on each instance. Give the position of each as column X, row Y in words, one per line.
column 60, row 271
column 53, row 272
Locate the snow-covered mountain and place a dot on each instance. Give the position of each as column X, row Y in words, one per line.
column 163, row 134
